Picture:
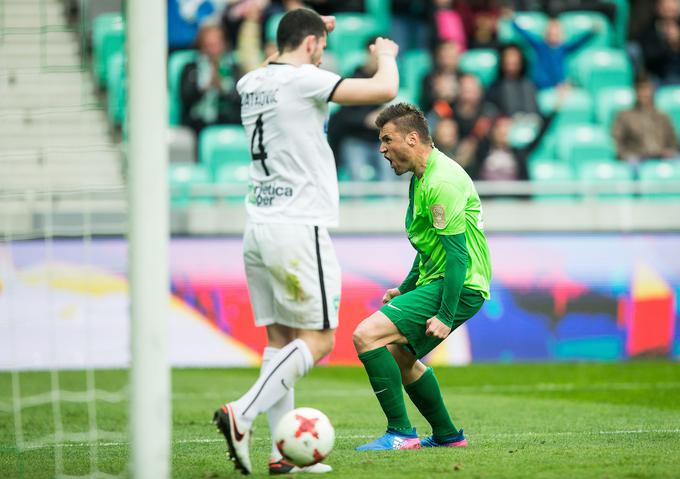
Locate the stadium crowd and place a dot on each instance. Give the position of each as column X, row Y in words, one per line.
column 491, row 75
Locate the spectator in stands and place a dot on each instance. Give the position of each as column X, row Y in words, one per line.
column 353, row 135
column 552, row 52
column 446, row 139
column 185, row 18
column 513, row 92
column 470, row 107
column 497, row 159
column 448, row 24
column 208, row 85
column 480, row 19
column 660, row 42
column 409, row 27
column 437, row 84
column 643, row 131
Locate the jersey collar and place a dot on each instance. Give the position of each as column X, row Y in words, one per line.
column 430, row 161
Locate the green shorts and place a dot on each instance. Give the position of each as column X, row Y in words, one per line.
column 410, row 311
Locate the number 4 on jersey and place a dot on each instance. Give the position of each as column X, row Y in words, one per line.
column 261, row 154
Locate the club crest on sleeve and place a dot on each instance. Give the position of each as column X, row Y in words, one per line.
column 438, row 216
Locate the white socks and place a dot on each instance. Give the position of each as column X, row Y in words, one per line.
column 285, row 367
column 279, row 409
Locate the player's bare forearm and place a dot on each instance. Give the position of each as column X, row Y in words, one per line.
column 381, row 87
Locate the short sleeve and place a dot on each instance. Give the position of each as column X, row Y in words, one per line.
column 446, row 204
column 317, row 84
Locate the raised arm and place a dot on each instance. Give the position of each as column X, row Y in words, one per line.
column 532, row 39
column 381, row 87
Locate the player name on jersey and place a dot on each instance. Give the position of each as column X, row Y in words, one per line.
column 259, row 98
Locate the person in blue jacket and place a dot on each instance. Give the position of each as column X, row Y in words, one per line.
column 550, row 67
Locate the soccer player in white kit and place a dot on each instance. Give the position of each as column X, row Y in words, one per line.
column 292, row 271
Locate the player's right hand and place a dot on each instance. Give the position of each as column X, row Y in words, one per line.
column 384, row 46
column 389, row 294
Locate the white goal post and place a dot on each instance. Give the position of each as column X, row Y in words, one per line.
column 150, row 422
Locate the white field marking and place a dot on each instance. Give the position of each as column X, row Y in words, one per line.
column 510, row 388
column 363, row 436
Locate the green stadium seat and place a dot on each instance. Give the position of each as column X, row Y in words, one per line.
column 607, row 171
column 667, row 99
column 577, row 108
column 582, row 144
column 575, row 24
column 182, row 177
column 602, row 68
column 523, row 132
column 116, row 91
column 271, row 26
column 547, row 148
column 223, row 146
column 654, row 173
column 481, row 62
column 352, row 32
column 351, row 62
column 108, row 37
column 612, row 100
column 550, row 172
column 380, row 10
column 176, row 63
column 621, row 22
column 534, row 22
column 233, row 172
column 414, row 66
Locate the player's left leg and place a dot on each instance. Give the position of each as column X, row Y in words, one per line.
column 425, row 390
column 422, row 387
column 278, row 336
column 370, row 340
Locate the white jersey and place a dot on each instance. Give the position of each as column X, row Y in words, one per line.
column 293, row 178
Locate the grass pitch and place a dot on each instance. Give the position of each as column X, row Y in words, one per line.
column 550, row 421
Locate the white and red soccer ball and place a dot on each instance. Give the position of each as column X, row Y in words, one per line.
column 304, row 436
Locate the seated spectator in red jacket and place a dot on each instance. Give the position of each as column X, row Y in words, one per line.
column 643, row 131
column 208, row 85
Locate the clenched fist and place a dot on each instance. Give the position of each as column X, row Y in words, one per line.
column 390, row 293
column 436, row 328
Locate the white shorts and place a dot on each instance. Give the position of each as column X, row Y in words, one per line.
column 293, row 275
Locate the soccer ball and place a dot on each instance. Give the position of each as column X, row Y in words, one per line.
column 304, row 436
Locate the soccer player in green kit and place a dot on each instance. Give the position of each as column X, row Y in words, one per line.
column 447, row 285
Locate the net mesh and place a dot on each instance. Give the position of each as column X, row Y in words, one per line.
column 60, row 181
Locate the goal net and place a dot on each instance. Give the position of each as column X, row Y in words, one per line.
column 67, row 357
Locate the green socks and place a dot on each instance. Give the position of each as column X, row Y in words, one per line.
column 427, row 397
column 383, row 373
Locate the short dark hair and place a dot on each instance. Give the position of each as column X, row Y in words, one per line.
column 296, row 25
column 406, row 118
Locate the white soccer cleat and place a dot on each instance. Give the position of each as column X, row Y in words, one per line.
column 237, row 437
column 318, row 468
column 284, row 467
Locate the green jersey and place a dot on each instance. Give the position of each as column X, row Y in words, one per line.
column 444, row 202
